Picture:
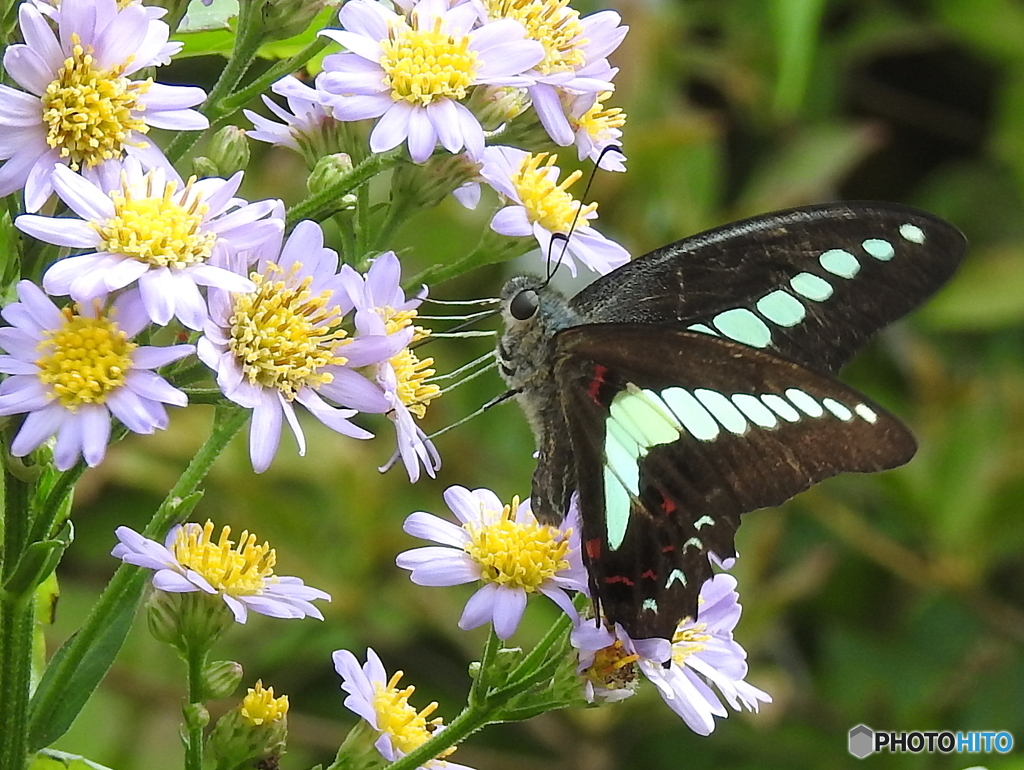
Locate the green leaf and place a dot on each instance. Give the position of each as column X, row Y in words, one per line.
column 986, row 294
column 202, row 18
column 796, row 30
column 35, row 565
column 65, row 697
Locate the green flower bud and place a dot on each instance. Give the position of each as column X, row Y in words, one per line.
column 283, row 19
column 220, row 678
column 495, row 106
column 188, row 620
column 329, row 170
column 228, row 151
column 254, row 731
column 203, row 167
column 427, row 185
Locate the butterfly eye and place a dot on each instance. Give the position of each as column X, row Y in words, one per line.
column 524, row 305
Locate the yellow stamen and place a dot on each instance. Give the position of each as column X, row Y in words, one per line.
column 411, row 373
column 407, row 727
column 158, row 227
column 553, row 24
column 240, row 570
column 597, row 121
column 613, row 667
column 520, row 555
column 687, row 641
column 546, row 202
column 260, row 706
column 89, row 112
column 84, row 360
column 424, row 65
column 283, row 335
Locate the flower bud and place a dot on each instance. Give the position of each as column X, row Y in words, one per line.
column 495, row 106
column 330, row 170
column 283, row 19
column 203, row 167
column 228, row 151
column 188, row 621
column 254, row 731
column 220, row 678
column 428, row 184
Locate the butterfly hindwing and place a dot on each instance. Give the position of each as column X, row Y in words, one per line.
column 810, row 284
column 675, row 434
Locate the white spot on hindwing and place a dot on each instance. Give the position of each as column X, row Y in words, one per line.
column 722, row 408
column 674, row 575
column 781, row 407
column 804, row 402
column 758, row 413
column 688, row 410
column 912, row 233
column 865, row 412
column 837, row 409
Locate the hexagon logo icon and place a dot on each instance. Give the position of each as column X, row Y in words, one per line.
column 862, row 741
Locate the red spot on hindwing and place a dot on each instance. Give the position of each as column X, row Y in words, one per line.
column 596, row 384
column 618, row 579
column 650, row 575
column 593, row 547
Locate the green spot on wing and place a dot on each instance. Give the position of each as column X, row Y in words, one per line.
column 811, row 286
column 782, row 308
column 743, row 326
column 840, row 262
column 879, row 249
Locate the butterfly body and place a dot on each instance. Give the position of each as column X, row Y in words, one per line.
column 695, row 384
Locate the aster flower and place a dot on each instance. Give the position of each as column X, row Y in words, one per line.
column 153, row 230
column 381, row 308
column 306, row 125
column 413, row 73
column 71, row 369
column 503, row 546
column 376, row 698
column 283, row 343
column 542, row 207
column 575, row 54
column 241, row 574
column 596, row 128
column 701, row 654
column 79, row 107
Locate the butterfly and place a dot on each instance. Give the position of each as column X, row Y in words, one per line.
column 697, row 383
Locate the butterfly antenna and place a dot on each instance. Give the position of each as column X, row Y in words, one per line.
column 579, row 210
column 493, row 402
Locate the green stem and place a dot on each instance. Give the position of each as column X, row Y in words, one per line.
column 460, row 728
column 534, row 659
column 16, row 619
column 46, row 524
column 323, row 204
column 487, row 252
column 193, row 737
column 478, row 691
column 128, row 581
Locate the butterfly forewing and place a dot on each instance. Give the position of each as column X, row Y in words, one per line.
column 675, row 434
column 811, row 284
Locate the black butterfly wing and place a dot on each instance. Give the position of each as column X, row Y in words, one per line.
column 675, row 434
column 811, row 284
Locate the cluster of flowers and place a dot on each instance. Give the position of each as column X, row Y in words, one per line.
column 512, row 555
column 441, row 73
column 271, row 312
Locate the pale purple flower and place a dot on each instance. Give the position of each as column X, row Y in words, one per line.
column 575, row 60
column 305, row 124
column 71, row 370
column 283, row 343
column 393, row 71
column 155, row 234
column 504, row 547
column 597, row 128
column 241, row 573
column 541, row 206
column 48, row 124
column 701, row 654
column 381, row 308
column 375, row 697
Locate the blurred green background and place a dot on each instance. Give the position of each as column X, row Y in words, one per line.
column 896, row 600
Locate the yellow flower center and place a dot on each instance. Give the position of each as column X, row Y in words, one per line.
column 407, row 727
column 411, row 373
column 283, row 334
column 546, row 202
column 240, row 570
column 553, row 24
column 159, row 228
column 85, row 359
column 597, row 121
column 259, row 706
column 90, row 112
column 689, row 641
column 424, row 65
column 613, row 667
column 517, row 555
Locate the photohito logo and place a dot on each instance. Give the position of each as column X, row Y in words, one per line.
column 864, row 741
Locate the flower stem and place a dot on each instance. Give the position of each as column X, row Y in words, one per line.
column 481, row 684
column 465, row 724
column 16, row 620
column 194, row 723
column 125, row 587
